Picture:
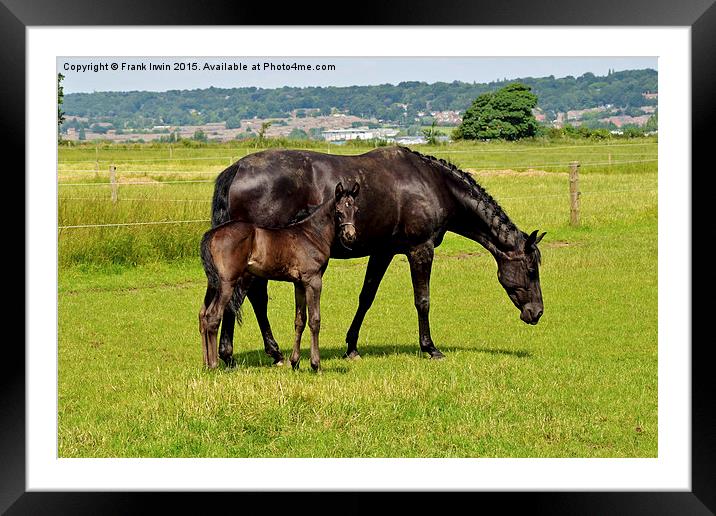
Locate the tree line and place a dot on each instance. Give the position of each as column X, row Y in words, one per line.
column 402, row 104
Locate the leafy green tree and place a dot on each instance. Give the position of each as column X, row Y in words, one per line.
column 60, row 100
column 431, row 134
column 200, row 136
column 262, row 131
column 504, row 114
column 233, row 122
column 82, row 135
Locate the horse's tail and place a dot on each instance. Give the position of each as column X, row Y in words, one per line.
column 212, row 275
column 220, row 201
column 237, row 299
column 207, row 260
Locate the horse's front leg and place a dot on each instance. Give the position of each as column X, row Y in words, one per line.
column 258, row 296
column 377, row 265
column 313, row 300
column 420, row 259
column 300, row 323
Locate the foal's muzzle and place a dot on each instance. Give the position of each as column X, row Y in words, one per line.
column 347, row 234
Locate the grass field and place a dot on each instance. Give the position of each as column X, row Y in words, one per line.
column 582, row 383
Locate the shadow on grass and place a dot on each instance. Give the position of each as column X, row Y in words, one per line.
column 257, row 357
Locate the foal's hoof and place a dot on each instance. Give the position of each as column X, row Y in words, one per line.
column 230, row 363
column 353, row 355
column 278, row 363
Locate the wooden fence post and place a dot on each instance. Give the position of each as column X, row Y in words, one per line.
column 574, row 193
column 113, row 181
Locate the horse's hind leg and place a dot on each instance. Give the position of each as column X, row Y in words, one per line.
column 258, row 295
column 226, row 341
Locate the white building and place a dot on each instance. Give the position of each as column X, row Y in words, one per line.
column 358, row 133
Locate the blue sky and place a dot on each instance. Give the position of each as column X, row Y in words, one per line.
column 348, row 71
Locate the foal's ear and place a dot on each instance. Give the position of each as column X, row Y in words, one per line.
column 355, row 189
column 339, row 189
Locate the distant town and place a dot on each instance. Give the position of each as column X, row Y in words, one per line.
column 340, row 127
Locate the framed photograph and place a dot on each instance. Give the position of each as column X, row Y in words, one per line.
column 138, row 122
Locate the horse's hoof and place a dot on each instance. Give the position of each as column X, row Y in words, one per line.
column 279, row 363
column 436, row 355
column 231, row 363
column 353, row 355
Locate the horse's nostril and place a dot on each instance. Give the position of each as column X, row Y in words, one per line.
column 539, row 314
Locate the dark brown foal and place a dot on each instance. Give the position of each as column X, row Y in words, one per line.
column 235, row 252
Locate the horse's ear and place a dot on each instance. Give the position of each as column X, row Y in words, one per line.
column 355, row 189
column 531, row 240
column 339, row 189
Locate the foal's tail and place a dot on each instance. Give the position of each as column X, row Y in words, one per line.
column 212, row 275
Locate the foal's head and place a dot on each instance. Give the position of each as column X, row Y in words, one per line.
column 345, row 214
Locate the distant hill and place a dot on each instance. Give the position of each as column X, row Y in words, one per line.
column 405, row 103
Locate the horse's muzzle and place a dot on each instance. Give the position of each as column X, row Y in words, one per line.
column 531, row 315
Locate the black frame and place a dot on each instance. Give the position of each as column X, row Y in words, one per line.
column 700, row 15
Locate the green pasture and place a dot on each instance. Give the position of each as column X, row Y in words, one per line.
column 582, row 383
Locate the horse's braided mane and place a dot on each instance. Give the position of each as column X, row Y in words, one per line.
column 473, row 189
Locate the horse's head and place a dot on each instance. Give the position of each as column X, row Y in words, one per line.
column 346, row 210
column 518, row 273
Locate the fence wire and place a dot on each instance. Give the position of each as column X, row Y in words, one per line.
column 146, row 223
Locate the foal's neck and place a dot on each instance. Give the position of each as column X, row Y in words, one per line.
column 320, row 226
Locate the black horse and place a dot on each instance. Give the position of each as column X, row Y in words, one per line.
column 407, row 203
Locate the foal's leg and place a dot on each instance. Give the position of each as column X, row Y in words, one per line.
column 210, row 320
column 421, row 262
column 377, row 265
column 313, row 299
column 208, row 297
column 300, row 323
column 258, row 295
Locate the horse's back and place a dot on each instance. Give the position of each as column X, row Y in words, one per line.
column 400, row 198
